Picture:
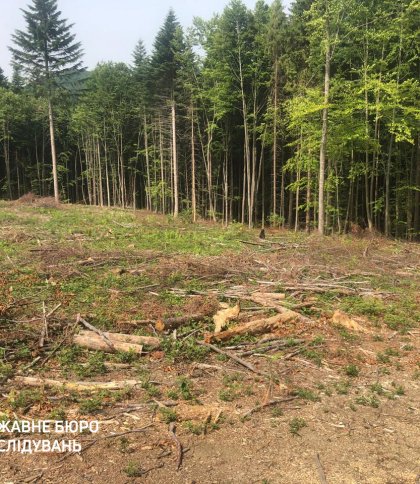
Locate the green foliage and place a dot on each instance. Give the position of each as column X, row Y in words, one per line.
column 168, row 415
column 91, row 405
column 306, row 394
column 24, row 399
column 297, row 424
column 352, row 371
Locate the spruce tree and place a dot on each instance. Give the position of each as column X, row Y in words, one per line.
column 3, row 79
column 47, row 50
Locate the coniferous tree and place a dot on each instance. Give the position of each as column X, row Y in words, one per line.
column 3, row 79
column 47, row 50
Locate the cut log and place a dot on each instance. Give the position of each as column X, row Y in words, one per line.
column 260, row 326
column 223, row 316
column 126, row 338
column 75, row 385
column 94, row 342
column 271, row 300
column 107, row 341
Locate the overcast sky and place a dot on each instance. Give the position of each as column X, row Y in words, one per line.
column 109, row 29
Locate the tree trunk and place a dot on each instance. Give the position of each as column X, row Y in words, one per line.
column 175, row 161
column 193, row 193
column 53, row 151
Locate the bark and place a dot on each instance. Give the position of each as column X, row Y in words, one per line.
column 324, row 133
column 75, row 385
column 175, row 161
column 53, row 151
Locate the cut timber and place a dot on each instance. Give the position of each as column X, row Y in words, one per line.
column 343, row 319
column 127, row 338
column 95, row 342
column 223, row 316
column 260, row 326
column 75, row 385
column 271, row 300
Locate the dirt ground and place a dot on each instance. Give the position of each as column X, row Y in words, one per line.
column 337, row 400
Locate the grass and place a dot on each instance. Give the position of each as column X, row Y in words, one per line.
column 168, row 415
column 133, row 469
column 24, row 399
column 306, row 394
column 352, row 371
column 296, row 425
column 368, row 401
column 91, row 405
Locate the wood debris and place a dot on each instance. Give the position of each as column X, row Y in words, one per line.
column 343, row 319
column 119, row 341
column 223, row 316
column 260, row 326
column 75, row 385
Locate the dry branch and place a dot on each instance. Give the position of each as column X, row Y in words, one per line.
column 270, row 403
column 179, row 450
column 233, row 357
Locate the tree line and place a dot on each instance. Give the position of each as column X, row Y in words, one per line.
column 308, row 120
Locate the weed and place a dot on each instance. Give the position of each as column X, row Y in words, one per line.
column 368, row 401
column 352, row 371
column 186, row 349
column 318, row 340
column 185, row 388
column 383, row 358
column 167, row 415
column 408, row 347
column 133, row 469
column 6, row 371
column 194, row 428
column 173, row 394
column 363, row 305
column 24, row 399
column 306, row 394
column 346, row 335
column 95, row 365
column 126, row 356
column 315, row 356
column 342, row 387
column 398, row 389
column 123, row 445
column 151, row 389
column 91, row 405
column 391, row 352
column 277, row 412
column 58, row 414
column 297, row 424
column 377, row 388
column 228, row 395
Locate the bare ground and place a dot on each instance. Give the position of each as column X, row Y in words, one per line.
column 355, row 408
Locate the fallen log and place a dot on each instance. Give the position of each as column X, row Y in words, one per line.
column 260, row 326
column 75, row 385
column 270, row 300
column 126, row 338
column 94, row 342
column 100, row 333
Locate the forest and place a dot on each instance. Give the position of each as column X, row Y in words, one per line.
column 307, row 119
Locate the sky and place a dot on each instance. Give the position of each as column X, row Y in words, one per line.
column 110, row 29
